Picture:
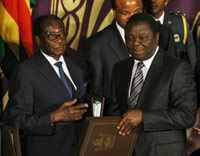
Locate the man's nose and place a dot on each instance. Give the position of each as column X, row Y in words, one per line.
column 136, row 42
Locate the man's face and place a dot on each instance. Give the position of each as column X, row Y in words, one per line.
column 125, row 9
column 53, row 40
column 158, row 7
column 140, row 40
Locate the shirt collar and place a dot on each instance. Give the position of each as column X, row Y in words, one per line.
column 161, row 19
column 121, row 31
column 51, row 60
column 148, row 62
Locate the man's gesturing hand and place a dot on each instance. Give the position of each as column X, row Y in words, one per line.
column 69, row 112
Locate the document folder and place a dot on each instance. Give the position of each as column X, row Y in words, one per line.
column 100, row 137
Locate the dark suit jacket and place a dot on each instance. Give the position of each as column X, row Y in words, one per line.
column 167, row 100
column 35, row 92
column 105, row 48
column 188, row 51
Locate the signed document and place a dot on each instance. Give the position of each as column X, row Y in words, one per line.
column 100, row 138
column 96, row 105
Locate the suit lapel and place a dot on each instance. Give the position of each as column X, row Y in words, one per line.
column 124, row 81
column 151, row 79
column 74, row 73
column 49, row 73
column 117, row 43
column 166, row 19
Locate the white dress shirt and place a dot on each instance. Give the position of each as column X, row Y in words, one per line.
column 121, row 31
column 145, row 69
column 161, row 18
column 52, row 61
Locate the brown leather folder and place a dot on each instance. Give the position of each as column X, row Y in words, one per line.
column 11, row 141
column 100, row 138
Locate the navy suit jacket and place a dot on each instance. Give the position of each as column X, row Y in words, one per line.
column 167, row 101
column 35, row 92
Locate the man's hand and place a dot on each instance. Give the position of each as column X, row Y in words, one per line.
column 131, row 119
column 196, row 130
column 69, row 112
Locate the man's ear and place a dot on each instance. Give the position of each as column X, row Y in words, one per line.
column 37, row 39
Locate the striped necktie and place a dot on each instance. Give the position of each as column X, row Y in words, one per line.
column 136, row 85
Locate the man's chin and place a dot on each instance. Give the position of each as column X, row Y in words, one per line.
column 138, row 56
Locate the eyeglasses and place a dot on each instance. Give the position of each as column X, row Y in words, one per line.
column 54, row 37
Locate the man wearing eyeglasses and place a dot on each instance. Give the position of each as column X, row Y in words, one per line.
column 47, row 93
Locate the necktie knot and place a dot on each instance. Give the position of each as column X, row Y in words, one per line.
column 140, row 65
column 158, row 22
column 58, row 64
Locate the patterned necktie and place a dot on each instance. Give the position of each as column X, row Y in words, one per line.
column 136, row 85
column 65, row 79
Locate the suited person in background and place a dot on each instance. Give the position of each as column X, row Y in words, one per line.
column 45, row 99
column 182, row 34
column 163, row 103
column 107, row 47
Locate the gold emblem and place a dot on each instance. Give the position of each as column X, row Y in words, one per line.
column 169, row 22
column 104, row 142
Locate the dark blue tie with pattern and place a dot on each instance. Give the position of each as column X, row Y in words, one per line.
column 65, row 79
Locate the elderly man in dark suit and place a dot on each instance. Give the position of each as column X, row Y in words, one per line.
column 153, row 89
column 47, row 92
column 107, row 47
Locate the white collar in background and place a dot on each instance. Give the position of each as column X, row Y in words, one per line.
column 161, row 19
column 121, row 31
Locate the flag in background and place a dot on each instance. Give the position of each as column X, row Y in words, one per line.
column 82, row 18
column 191, row 9
column 15, row 35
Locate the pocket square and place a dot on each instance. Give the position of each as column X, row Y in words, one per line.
column 85, row 84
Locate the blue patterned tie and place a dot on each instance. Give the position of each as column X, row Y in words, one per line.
column 136, row 85
column 65, row 79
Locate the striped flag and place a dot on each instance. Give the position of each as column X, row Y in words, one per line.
column 15, row 35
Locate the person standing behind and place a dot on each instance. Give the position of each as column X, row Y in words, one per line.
column 107, row 47
column 47, row 92
column 182, row 35
column 154, row 90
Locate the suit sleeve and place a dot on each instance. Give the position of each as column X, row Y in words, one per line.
column 21, row 106
column 113, row 107
column 94, row 67
column 181, row 112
